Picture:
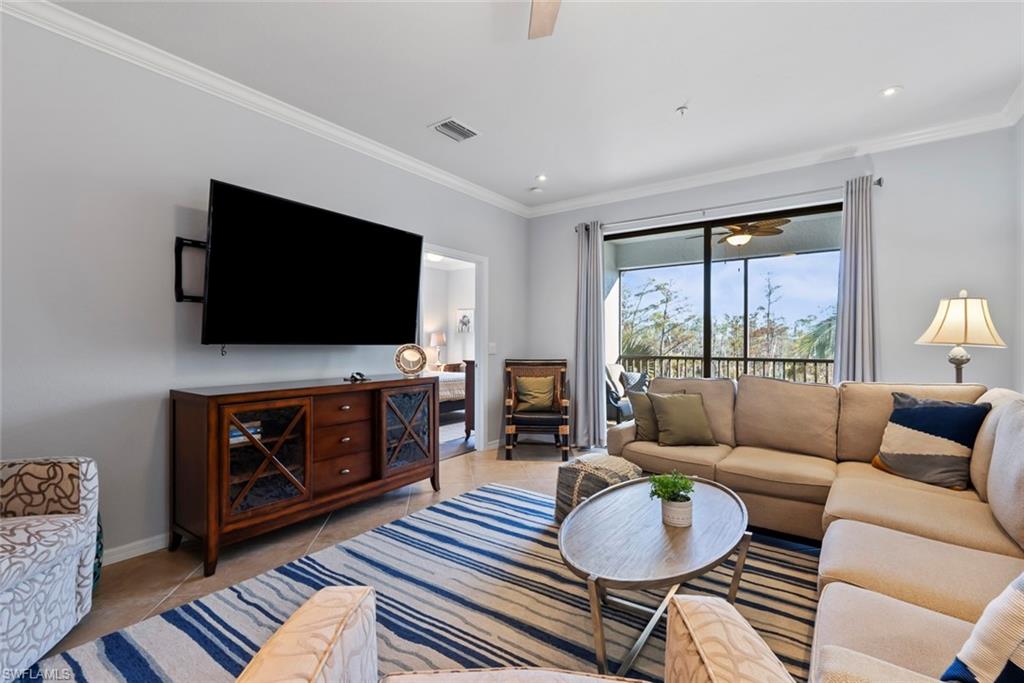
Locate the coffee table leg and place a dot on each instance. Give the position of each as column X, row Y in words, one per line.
column 741, row 560
column 600, row 656
column 634, row 651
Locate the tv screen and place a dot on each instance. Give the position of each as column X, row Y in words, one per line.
column 281, row 272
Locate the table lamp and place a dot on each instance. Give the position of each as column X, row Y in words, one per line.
column 437, row 340
column 963, row 321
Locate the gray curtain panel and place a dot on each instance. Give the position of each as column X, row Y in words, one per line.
column 588, row 410
column 856, row 357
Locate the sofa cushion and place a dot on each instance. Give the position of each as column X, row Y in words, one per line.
column 787, row 416
column 995, row 650
column 689, row 460
column 682, row 420
column 777, row 473
column 864, row 470
column 943, row 577
column 936, row 515
column 644, row 417
column 981, row 457
column 931, row 440
column 1006, row 473
column 865, row 408
column 835, row 664
column 719, row 401
column 888, row 629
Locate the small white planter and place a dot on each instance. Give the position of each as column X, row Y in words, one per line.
column 677, row 514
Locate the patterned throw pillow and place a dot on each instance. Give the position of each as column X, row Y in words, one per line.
column 634, row 381
column 995, row 650
column 931, row 441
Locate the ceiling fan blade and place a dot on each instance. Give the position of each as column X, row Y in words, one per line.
column 764, row 232
column 771, row 223
column 700, row 236
column 543, row 14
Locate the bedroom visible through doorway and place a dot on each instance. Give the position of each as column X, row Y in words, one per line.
column 448, row 333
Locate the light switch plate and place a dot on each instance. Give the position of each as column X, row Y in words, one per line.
column 492, row 348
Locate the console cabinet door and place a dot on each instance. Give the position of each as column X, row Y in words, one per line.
column 266, row 457
column 408, row 430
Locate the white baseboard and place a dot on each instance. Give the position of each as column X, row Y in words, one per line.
column 492, row 444
column 134, row 549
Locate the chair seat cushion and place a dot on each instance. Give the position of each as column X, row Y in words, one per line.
column 30, row 544
column 689, row 460
column 777, row 473
column 537, row 419
column 888, row 629
column 935, row 515
column 940, row 576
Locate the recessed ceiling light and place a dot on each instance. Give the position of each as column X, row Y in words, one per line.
column 435, row 258
column 536, row 189
column 892, row 91
column 541, row 178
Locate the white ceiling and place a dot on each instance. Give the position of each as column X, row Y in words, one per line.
column 593, row 106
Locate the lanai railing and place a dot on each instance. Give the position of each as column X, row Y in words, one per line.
column 794, row 369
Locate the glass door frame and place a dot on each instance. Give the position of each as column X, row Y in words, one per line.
column 708, row 226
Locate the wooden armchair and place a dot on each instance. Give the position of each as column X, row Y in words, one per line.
column 554, row 420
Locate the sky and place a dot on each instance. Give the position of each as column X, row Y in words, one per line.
column 809, row 283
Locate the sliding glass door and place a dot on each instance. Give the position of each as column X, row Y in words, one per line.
column 753, row 295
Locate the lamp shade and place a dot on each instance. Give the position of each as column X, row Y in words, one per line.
column 437, row 339
column 962, row 321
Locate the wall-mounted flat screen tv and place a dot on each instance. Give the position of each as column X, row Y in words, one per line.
column 281, row 272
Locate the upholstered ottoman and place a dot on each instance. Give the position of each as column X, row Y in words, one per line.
column 586, row 475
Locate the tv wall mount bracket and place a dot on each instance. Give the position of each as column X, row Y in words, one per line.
column 179, row 246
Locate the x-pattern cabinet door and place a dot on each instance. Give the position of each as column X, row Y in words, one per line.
column 408, row 417
column 267, row 456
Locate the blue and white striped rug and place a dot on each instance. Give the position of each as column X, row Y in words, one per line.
column 474, row 581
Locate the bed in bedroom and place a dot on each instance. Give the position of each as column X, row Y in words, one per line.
column 456, row 389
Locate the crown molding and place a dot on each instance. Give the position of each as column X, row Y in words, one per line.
column 1008, row 116
column 64, row 22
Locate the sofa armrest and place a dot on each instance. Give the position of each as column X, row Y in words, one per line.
column 834, row 664
column 620, row 435
column 708, row 640
column 49, row 486
column 330, row 638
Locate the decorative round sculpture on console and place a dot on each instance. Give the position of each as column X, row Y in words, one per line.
column 410, row 359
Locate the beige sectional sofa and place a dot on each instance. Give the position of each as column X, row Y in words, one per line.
column 906, row 568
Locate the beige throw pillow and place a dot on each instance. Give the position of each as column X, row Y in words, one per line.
column 643, row 416
column 682, row 420
column 535, row 393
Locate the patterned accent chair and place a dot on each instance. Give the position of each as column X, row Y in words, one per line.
column 48, row 512
column 332, row 637
column 554, row 421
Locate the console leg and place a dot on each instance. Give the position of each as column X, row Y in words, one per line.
column 175, row 541
column 210, row 555
column 435, row 480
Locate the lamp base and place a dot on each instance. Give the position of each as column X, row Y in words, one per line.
column 959, row 357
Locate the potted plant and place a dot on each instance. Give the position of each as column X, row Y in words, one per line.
column 674, row 490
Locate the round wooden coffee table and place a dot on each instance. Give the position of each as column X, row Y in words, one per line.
column 616, row 539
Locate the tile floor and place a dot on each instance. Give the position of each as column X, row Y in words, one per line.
column 135, row 589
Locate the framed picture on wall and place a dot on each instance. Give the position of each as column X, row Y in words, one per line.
column 464, row 320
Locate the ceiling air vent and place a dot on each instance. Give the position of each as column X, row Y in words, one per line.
column 451, row 128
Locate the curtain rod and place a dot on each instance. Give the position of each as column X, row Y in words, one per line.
column 876, row 183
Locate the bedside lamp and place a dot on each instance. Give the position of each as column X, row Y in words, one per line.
column 963, row 321
column 437, row 340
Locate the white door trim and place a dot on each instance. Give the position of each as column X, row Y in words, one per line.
column 481, row 339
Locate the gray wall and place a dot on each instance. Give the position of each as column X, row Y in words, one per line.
column 104, row 163
column 947, row 219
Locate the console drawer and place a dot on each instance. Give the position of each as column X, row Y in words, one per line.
column 342, row 471
column 342, row 439
column 341, row 408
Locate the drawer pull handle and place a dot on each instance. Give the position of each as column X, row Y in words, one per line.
column 345, row 471
column 346, row 407
column 346, row 439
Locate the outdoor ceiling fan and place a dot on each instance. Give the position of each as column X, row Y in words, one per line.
column 741, row 233
column 543, row 14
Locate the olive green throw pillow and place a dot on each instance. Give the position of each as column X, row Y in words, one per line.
column 682, row 420
column 535, row 393
column 643, row 416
